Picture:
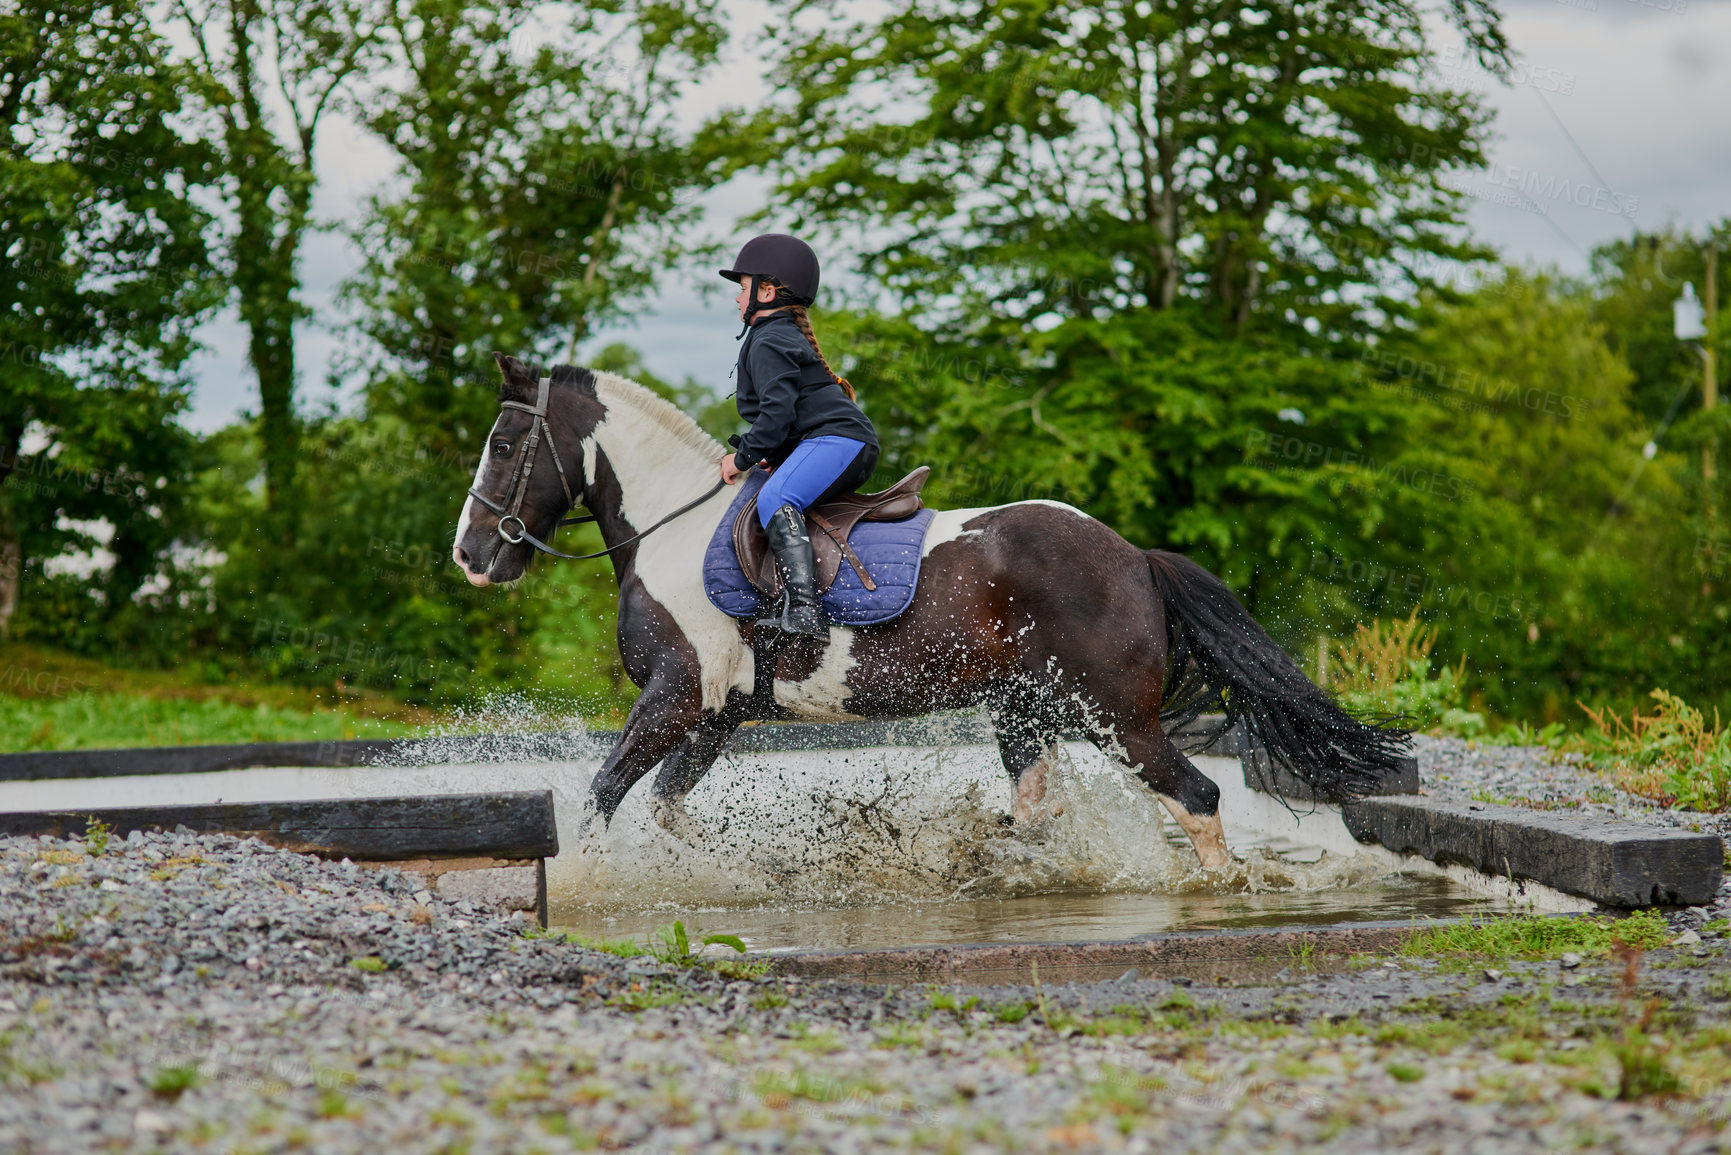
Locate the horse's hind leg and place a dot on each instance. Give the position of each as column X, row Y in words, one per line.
column 683, row 769
column 1191, row 799
column 1025, row 742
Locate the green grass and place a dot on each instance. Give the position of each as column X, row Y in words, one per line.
column 114, row 720
column 777, row 1087
column 1519, row 936
column 954, row 1004
column 51, row 700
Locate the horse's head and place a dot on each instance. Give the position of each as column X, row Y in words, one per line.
column 524, row 484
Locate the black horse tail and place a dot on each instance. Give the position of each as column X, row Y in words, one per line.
column 1221, row 659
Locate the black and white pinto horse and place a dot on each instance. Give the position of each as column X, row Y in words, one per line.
column 1034, row 609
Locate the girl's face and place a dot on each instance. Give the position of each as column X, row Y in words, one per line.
column 765, row 294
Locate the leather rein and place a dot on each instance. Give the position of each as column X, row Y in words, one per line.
column 520, row 488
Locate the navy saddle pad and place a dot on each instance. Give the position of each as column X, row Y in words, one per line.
column 890, row 550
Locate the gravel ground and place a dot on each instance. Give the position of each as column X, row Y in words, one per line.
column 186, row 994
column 1525, row 775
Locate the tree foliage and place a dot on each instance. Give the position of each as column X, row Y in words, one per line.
column 1180, row 264
column 104, row 276
column 267, row 73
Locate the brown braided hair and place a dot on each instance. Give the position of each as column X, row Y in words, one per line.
column 803, row 320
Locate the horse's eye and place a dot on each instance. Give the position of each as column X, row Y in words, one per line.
column 501, row 449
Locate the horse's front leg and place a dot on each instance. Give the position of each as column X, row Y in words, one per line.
column 683, row 769
column 665, row 713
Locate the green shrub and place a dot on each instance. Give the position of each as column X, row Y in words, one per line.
column 1387, row 671
column 1670, row 756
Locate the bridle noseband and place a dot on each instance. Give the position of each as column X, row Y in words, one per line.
column 520, row 488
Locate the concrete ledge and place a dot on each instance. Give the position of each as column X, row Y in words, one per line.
column 1235, row 953
column 1624, row 864
column 52, row 764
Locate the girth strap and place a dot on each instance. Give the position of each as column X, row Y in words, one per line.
column 847, row 551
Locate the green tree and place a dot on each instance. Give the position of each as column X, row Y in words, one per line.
column 1636, row 282
column 269, row 71
column 1561, row 570
column 104, row 276
column 1061, row 160
column 1126, row 250
column 540, row 182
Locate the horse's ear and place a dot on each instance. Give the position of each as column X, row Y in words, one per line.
column 517, row 380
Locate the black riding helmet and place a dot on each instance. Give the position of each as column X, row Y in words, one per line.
column 786, row 260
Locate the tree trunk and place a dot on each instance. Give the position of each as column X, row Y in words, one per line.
column 11, row 571
column 11, row 547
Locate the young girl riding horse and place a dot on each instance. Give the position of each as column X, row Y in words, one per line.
column 806, row 427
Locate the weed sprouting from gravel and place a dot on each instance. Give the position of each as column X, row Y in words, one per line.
column 1642, row 1066
column 96, row 836
column 954, row 1004
column 669, row 945
column 171, row 1083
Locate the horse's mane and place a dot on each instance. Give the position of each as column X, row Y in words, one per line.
column 614, row 390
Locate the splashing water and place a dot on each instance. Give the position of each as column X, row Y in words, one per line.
column 898, row 824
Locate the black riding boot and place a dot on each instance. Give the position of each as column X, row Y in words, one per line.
column 799, row 613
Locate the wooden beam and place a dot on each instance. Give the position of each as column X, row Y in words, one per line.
column 505, row 825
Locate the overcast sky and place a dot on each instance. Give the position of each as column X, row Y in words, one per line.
column 1617, row 120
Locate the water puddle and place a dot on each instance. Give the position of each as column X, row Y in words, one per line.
column 905, row 846
column 1042, row 918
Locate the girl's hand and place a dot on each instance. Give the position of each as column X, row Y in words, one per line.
column 730, row 472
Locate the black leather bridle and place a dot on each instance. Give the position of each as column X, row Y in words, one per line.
column 520, row 488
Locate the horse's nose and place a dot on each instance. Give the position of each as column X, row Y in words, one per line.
column 458, row 556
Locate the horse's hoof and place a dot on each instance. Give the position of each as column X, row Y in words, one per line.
column 1030, row 815
column 672, row 817
column 590, row 826
column 1218, row 861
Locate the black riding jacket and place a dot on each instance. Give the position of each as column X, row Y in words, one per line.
column 788, row 396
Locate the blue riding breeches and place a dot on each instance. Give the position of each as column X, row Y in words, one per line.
column 820, row 467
